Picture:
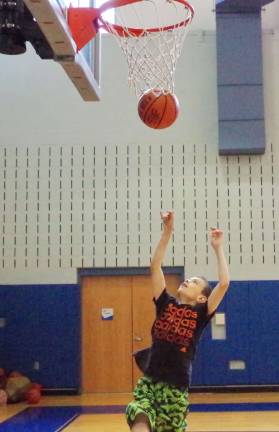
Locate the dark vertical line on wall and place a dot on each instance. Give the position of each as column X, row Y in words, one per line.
column 38, row 209
column 15, row 205
column 139, row 206
column 184, row 204
column 60, row 205
column 4, row 208
column 206, row 204
column 251, row 211
column 82, row 205
column 105, row 209
column 195, row 205
column 127, row 206
column 262, row 211
column 94, row 206
column 150, row 200
column 49, row 207
column 172, row 201
column 71, row 207
column 228, row 207
column 239, row 211
column 26, row 207
column 116, row 206
column 273, row 205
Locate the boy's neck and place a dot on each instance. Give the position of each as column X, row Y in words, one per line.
column 185, row 300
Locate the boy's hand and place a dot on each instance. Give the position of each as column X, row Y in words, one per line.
column 216, row 237
column 168, row 220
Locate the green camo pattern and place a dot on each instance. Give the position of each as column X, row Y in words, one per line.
column 165, row 405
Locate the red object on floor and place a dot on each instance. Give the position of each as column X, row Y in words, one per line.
column 33, row 396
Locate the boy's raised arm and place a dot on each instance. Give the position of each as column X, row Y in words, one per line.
column 220, row 289
column 157, row 275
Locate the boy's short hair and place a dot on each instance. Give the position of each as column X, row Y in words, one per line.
column 207, row 289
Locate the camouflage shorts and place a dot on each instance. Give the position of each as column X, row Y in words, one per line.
column 165, row 405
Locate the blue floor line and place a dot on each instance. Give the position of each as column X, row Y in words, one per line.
column 41, row 419
column 55, row 419
column 245, row 406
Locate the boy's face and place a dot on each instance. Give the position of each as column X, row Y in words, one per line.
column 191, row 290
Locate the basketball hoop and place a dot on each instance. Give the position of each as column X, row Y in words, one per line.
column 150, row 33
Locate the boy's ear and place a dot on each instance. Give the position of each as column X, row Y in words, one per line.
column 201, row 298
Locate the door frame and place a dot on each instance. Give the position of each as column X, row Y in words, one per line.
column 126, row 271
column 116, row 271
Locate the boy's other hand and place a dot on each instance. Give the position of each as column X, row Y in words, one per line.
column 168, row 220
column 216, row 237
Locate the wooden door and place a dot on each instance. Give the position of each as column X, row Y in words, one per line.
column 143, row 317
column 107, row 346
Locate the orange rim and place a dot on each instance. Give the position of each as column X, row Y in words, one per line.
column 137, row 32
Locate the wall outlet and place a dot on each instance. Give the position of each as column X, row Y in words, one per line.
column 2, row 322
column 220, row 319
column 218, row 331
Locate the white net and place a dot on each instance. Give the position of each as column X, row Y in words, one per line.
column 151, row 55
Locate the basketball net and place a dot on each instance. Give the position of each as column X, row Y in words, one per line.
column 151, row 35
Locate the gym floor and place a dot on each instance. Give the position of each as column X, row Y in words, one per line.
column 214, row 412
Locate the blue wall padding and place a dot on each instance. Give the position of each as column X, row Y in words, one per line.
column 238, row 137
column 251, row 309
column 240, row 83
column 197, row 367
column 250, row 98
column 42, row 324
column 264, row 333
column 240, row 5
column 239, row 45
column 235, row 346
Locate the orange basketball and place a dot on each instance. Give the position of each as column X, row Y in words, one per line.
column 33, row 396
column 158, row 110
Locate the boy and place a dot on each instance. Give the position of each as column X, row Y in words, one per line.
column 161, row 395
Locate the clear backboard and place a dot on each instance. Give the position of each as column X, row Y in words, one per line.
column 83, row 67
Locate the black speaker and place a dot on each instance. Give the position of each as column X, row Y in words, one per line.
column 12, row 40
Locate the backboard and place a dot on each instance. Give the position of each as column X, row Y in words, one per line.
column 83, row 67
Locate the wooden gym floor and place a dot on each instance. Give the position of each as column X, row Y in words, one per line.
column 257, row 412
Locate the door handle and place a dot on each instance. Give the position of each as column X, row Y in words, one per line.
column 137, row 339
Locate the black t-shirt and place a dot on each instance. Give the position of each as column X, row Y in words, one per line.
column 175, row 334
